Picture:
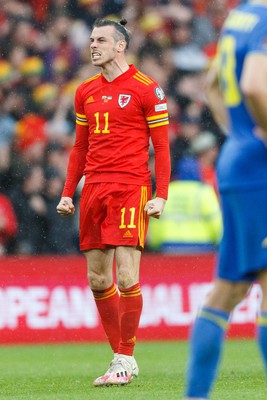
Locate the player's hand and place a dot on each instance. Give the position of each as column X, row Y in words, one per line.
column 155, row 207
column 65, row 207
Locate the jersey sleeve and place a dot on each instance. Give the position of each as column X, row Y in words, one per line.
column 10, row 227
column 159, row 137
column 156, row 112
column 78, row 153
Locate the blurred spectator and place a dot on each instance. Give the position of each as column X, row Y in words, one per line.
column 187, row 54
column 54, row 244
column 202, row 153
column 11, row 112
column 190, row 126
column 187, row 87
column 56, row 159
column 32, row 71
column 7, row 128
column 61, row 57
column 45, row 97
column 30, row 139
column 174, row 110
column 191, row 221
column 205, row 148
column 57, row 7
column 208, row 23
column 89, row 10
column 31, row 210
column 56, row 109
column 26, row 34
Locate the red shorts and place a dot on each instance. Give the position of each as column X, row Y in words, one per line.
column 113, row 214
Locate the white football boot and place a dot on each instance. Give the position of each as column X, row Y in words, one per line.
column 121, row 371
column 101, row 380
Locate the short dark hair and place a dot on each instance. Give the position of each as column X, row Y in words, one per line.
column 119, row 27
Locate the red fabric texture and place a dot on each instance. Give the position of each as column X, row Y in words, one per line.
column 8, row 219
column 107, row 302
column 114, row 122
column 130, row 308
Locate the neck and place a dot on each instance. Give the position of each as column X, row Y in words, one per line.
column 114, row 69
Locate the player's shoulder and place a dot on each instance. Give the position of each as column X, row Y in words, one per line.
column 246, row 17
column 148, row 85
column 89, row 81
column 143, row 79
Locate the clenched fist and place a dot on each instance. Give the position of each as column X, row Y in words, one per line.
column 155, row 207
column 65, row 207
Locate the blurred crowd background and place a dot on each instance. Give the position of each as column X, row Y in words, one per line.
column 45, row 55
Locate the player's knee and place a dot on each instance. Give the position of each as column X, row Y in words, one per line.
column 98, row 281
column 125, row 278
column 236, row 295
column 226, row 296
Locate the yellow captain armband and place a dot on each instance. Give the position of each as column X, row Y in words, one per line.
column 81, row 119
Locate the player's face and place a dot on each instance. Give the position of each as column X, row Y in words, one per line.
column 103, row 46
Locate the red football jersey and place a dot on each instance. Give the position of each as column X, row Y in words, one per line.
column 114, row 122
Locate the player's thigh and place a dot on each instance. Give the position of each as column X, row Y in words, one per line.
column 92, row 215
column 100, row 267
column 126, row 222
column 127, row 265
column 225, row 295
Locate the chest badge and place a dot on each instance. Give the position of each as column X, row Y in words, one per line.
column 124, row 99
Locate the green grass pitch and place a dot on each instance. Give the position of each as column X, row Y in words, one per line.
column 64, row 372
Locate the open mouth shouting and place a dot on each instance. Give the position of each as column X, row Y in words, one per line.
column 95, row 55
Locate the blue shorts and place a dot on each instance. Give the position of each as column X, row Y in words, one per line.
column 243, row 249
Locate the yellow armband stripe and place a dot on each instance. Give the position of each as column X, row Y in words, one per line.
column 81, row 119
column 158, row 120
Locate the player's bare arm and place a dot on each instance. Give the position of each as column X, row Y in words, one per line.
column 254, row 88
column 215, row 97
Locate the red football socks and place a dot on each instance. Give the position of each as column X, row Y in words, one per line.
column 130, row 308
column 120, row 316
column 107, row 302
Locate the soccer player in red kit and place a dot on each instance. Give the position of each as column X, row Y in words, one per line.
column 117, row 112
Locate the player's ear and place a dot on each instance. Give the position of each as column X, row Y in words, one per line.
column 121, row 46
